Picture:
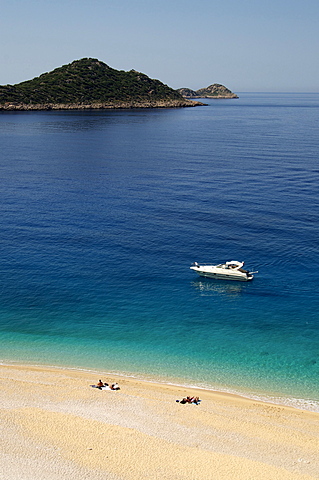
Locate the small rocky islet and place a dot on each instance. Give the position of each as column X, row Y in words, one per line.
column 215, row 90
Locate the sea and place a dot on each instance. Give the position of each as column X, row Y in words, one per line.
column 104, row 211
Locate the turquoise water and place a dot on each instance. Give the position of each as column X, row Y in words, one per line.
column 103, row 213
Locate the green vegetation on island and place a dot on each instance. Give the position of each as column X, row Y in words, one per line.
column 90, row 83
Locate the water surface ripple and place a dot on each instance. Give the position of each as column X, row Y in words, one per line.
column 104, row 211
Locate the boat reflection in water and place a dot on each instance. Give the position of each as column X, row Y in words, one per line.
column 207, row 288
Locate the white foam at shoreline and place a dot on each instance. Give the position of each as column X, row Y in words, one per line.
column 307, row 404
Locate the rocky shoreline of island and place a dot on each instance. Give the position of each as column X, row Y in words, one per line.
column 12, row 106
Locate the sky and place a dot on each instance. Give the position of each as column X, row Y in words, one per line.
column 246, row 45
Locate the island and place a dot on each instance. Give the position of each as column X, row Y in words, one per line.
column 215, row 90
column 90, row 84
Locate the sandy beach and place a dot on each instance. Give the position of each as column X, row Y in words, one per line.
column 54, row 425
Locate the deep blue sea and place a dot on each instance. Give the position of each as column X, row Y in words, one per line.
column 102, row 213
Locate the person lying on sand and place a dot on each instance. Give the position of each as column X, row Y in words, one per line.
column 115, row 386
column 105, row 386
column 194, row 400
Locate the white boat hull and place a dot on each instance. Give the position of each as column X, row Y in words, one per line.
column 222, row 272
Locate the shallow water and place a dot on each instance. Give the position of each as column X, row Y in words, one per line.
column 104, row 211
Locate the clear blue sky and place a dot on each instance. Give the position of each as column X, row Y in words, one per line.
column 247, row 45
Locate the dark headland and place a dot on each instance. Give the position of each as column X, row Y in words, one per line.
column 90, row 84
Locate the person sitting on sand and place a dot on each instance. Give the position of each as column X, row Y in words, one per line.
column 101, row 386
column 115, row 386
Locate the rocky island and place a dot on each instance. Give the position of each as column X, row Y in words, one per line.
column 212, row 91
column 90, row 84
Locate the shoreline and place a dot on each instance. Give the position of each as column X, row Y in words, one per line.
column 57, row 426
column 112, row 105
column 270, row 398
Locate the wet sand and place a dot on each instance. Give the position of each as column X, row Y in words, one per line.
column 54, row 425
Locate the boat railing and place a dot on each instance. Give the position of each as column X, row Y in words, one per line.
column 196, row 264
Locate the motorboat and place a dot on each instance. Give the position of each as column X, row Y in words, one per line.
column 231, row 270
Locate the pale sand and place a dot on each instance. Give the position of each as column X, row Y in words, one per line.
column 55, row 426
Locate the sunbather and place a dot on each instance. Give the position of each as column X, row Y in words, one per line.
column 195, row 400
